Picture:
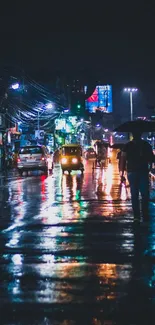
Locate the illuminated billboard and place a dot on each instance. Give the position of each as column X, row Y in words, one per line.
column 100, row 100
column 60, row 123
column 66, row 125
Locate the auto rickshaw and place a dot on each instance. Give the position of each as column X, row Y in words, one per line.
column 71, row 158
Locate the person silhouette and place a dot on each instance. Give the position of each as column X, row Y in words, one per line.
column 137, row 157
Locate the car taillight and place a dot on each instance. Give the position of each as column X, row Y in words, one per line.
column 18, row 160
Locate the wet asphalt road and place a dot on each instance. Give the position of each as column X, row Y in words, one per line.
column 70, row 252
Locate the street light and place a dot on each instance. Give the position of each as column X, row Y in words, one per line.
column 15, row 86
column 131, row 91
column 49, row 105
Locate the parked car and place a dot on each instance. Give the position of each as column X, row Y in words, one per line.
column 90, row 153
column 34, row 158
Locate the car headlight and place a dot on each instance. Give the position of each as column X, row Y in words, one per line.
column 74, row 160
column 64, row 160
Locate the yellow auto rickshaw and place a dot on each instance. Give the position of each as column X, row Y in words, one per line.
column 71, row 158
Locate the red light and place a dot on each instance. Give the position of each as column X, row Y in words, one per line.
column 43, row 196
column 43, row 158
column 18, row 159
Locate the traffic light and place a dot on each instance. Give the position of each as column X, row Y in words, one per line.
column 78, row 108
column 60, row 140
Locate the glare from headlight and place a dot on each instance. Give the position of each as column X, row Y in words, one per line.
column 74, row 160
column 64, row 160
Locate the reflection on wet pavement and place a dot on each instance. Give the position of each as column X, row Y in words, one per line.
column 71, row 253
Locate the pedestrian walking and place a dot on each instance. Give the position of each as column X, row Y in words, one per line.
column 56, row 156
column 119, row 160
column 123, row 179
column 137, row 156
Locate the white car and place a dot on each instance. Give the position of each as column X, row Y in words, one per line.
column 34, row 158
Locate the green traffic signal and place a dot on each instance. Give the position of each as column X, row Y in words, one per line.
column 60, row 139
column 78, row 106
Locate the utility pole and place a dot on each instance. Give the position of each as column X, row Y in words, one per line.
column 131, row 91
column 131, row 105
column 38, row 121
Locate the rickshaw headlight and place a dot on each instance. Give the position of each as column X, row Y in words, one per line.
column 74, row 160
column 64, row 160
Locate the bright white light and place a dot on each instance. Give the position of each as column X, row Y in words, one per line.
column 49, row 105
column 64, row 160
column 130, row 90
column 97, row 125
column 17, row 259
column 81, row 119
column 74, row 160
column 15, row 86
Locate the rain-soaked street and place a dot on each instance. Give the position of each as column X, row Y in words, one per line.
column 71, row 252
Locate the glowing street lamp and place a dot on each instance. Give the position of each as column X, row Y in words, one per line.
column 49, row 105
column 131, row 91
column 15, row 86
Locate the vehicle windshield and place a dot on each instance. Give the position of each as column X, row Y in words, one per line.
column 30, row 150
column 71, row 151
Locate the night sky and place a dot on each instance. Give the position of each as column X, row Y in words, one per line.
column 115, row 45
